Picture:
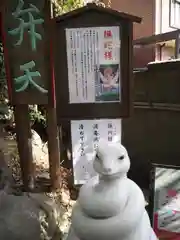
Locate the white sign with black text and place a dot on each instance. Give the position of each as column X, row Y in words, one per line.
column 85, row 135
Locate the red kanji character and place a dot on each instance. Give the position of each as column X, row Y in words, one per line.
column 172, row 193
column 108, row 55
column 107, row 33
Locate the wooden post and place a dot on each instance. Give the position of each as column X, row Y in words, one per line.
column 53, row 148
column 52, row 131
column 23, row 135
column 177, row 45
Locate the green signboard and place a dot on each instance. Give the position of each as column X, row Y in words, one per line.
column 26, row 30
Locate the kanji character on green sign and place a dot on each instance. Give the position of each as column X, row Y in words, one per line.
column 27, row 78
column 30, row 25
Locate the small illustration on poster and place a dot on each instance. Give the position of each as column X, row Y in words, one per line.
column 107, row 83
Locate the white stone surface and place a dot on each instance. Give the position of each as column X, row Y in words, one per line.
column 110, row 206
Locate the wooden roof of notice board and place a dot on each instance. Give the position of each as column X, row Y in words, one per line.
column 93, row 7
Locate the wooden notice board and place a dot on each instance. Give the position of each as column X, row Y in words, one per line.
column 93, row 63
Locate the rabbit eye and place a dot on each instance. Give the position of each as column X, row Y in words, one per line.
column 97, row 157
column 121, row 157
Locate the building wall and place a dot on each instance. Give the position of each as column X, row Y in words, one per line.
column 162, row 17
column 146, row 10
column 167, row 19
column 167, row 16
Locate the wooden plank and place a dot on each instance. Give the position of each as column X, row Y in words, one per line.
column 157, row 38
column 26, row 34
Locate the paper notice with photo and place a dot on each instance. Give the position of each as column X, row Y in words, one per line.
column 93, row 59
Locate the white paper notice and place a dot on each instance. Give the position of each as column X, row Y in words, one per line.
column 93, row 60
column 85, row 135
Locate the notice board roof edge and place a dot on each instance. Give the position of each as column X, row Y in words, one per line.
column 100, row 9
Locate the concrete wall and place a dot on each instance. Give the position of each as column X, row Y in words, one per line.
column 162, row 23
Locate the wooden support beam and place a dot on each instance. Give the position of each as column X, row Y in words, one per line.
column 53, row 148
column 23, row 136
column 177, row 46
column 53, row 136
column 153, row 39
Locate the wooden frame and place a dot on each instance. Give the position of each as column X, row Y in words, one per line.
column 152, row 193
column 93, row 16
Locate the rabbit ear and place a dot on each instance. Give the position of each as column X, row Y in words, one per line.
column 102, row 141
column 102, row 144
column 116, row 139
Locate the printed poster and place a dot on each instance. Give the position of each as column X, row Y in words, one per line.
column 93, row 60
column 85, row 135
column 167, row 203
